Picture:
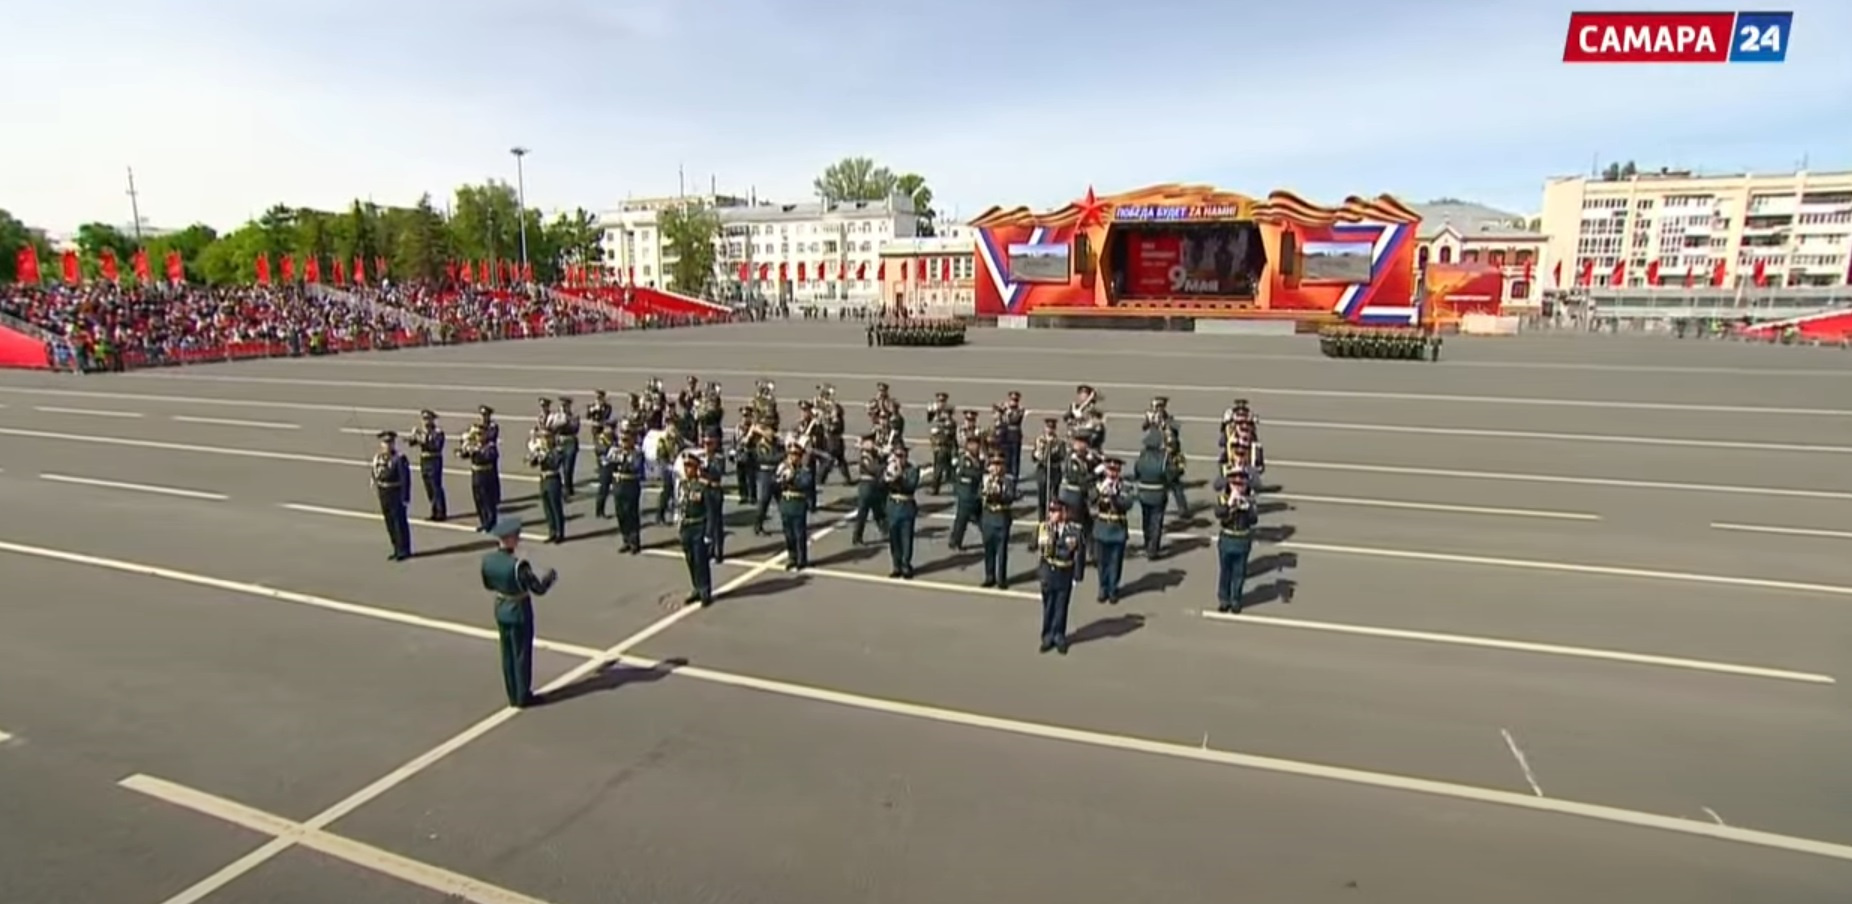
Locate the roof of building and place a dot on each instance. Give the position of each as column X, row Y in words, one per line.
column 1469, row 220
column 792, row 213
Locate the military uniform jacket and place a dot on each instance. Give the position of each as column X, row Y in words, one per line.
column 1012, row 423
column 549, row 463
column 599, row 413
column 942, row 432
column 999, row 499
column 1236, row 515
column 902, row 500
column 793, row 488
column 392, row 473
column 627, row 465
column 691, row 506
column 1109, row 508
column 869, row 468
column 1047, row 455
column 514, row 584
column 429, row 441
column 568, row 428
column 1151, row 473
column 713, row 469
column 601, row 447
column 1058, row 544
column 967, row 473
column 1076, row 476
column 485, row 458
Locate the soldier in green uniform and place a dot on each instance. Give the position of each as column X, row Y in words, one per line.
column 603, row 441
column 967, row 475
column 870, row 495
column 392, row 483
column 428, row 439
column 548, row 459
column 1111, row 500
column 691, row 525
column 793, row 483
column 998, row 496
column 568, row 447
column 513, row 582
column 902, row 482
column 481, row 447
column 714, row 479
column 1236, row 516
column 941, row 438
column 1058, row 544
column 1046, row 455
column 1151, row 474
column 745, row 458
column 627, row 471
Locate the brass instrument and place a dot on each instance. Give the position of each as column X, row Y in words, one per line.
column 1043, row 444
column 894, row 471
column 382, row 468
column 787, row 474
column 472, row 442
column 1047, row 540
column 992, row 488
column 1110, row 488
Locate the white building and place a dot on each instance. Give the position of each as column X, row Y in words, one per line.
column 1463, row 232
column 841, row 238
column 1798, row 225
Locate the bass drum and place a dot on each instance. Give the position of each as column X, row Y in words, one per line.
column 653, row 467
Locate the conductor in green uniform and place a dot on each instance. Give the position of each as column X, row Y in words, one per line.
column 902, row 480
column 513, row 582
column 691, row 516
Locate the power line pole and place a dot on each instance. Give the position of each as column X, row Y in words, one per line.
column 134, row 207
column 520, row 187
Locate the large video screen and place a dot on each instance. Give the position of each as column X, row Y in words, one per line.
column 1039, row 262
column 1222, row 260
column 1346, row 262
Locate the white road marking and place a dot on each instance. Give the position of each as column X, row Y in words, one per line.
column 1783, row 531
column 1713, row 815
column 1523, row 646
column 1572, row 568
column 223, row 450
column 86, row 412
column 1524, row 764
column 1223, row 391
column 955, row 717
column 363, row 431
column 443, row 881
column 233, row 422
column 134, row 487
column 5, row 737
column 1437, row 507
column 227, row 403
column 1559, row 479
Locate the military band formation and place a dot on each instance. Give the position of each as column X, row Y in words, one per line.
column 681, row 447
column 1379, row 343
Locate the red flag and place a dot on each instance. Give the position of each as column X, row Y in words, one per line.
column 289, row 268
column 881, row 271
column 1587, row 277
column 765, row 272
column 71, row 272
column 800, row 271
column 1619, row 276
column 1652, row 273
column 176, row 268
column 485, row 272
column 379, row 268
column 784, row 272
column 745, row 272
column 527, row 272
column 823, row 270
column 111, row 270
column 945, row 269
column 312, row 268
column 861, row 270
column 630, row 274
column 263, row 269
column 1717, row 274
column 139, row 263
column 842, row 272
column 1556, row 275
column 1688, row 275
column 360, row 271
column 919, row 270
column 28, row 261
column 1530, row 270
column 340, row 272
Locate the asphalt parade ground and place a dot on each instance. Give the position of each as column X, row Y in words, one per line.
column 1556, row 618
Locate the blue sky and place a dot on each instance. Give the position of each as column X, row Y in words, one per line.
column 226, row 106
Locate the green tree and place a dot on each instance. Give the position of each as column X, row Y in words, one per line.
column 190, row 243
column 485, row 222
column 1614, row 172
column 913, row 186
column 574, row 239
column 422, row 243
column 855, row 179
column 14, row 235
column 690, row 230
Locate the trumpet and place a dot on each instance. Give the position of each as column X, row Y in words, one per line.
column 787, row 473
column 893, row 472
column 993, row 486
column 1109, row 488
column 1045, row 539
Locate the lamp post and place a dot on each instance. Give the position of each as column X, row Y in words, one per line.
column 520, row 187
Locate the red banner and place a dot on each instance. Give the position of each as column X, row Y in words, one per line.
column 312, row 269
column 289, row 268
column 72, row 275
column 1652, row 273
column 881, row 271
column 765, row 272
column 800, row 271
column 379, row 268
column 1148, row 262
column 784, row 272
column 861, row 270
column 1760, row 273
column 143, row 273
column 112, row 271
column 919, row 270
column 28, row 264
column 176, row 268
column 945, row 269
column 340, row 272
column 263, row 269
column 745, row 272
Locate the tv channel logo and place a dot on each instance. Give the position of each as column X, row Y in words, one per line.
column 1656, row 37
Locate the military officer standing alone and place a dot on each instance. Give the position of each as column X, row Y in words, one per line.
column 392, row 481
column 691, row 525
column 514, row 584
column 1110, row 503
column 1235, row 513
column 546, row 458
column 999, row 494
column 902, row 482
column 428, row 439
column 967, row 478
column 793, row 483
column 1058, row 542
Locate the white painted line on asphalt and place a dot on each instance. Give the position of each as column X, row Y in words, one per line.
column 222, row 450
column 1192, row 752
column 1713, row 815
column 1524, row 646
column 86, row 412
column 134, row 487
column 1436, row 507
column 1572, row 568
column 362, row 431
column 838, row 377
column 5, row 737
column 619, row 654
column 1523, row 764
column 284, row 596
column 225, row 403
column 450, row 884
column 233, row 422
column 1783, row 531
column 1558, row 479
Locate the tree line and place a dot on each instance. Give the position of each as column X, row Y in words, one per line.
column 481, row 222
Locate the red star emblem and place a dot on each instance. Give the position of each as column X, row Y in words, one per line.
column 1092, row 212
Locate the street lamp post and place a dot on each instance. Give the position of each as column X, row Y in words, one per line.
column 520, row 187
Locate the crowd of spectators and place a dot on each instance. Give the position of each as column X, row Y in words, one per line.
column 101, row 326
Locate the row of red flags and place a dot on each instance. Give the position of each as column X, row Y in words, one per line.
column 28, row 269
column 918, row 272
column 311, row 270
column 1618, row 277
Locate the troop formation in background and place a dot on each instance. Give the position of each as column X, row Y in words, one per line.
column 1403, row 343
column 682, row 447
column 914, row 331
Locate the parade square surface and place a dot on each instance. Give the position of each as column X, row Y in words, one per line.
column 1555, row 617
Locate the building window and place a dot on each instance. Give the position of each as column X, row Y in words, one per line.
column 1421, row 256
column 1520, row 289
column 1446, row 255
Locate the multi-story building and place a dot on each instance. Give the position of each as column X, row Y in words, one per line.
column 1463, row 232
column 1796, row 226
column 835, row 239
column 931, row 275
